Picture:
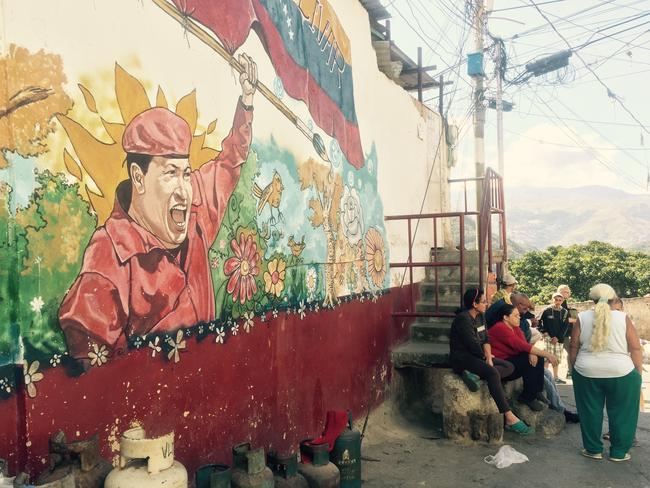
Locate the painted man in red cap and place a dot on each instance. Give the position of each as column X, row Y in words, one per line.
column 146, row 269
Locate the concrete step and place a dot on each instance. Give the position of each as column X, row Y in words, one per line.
column 446, row 291
column 430, row 332
column 430, row 306
column 421, row 354
column 451, row 274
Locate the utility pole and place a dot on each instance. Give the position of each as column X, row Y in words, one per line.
column 499, row 106
column 479, row 108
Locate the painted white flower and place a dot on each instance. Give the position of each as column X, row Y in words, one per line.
column 316, row 308
column 301, row 310
column 31, row 377
column 211, row 327
column 138, row 341
column 55, row 360
column 248, row 322
column 234, row 329
column 5, row 385
column 201, row 329
column 275, row 313
column 311, row 280
column 37, row 304
column 375, row 297
column 177, row 345
column 221, row 335
column 222, row 244
column 263, row 317
column 98, row 355
column 155, row 348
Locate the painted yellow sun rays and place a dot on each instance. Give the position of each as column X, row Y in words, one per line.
column 103, row 162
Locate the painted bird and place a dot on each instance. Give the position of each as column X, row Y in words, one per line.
column 296, row 247
column 272, row 195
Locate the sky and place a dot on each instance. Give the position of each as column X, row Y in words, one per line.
column 564, row 131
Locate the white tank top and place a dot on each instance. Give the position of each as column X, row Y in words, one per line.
column 612, row 362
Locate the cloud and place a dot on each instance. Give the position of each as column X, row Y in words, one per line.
column 529, row 162
column 532, row 163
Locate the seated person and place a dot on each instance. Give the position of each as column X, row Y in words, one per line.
column 508, row 343
column 508, row 284
column 470, row 355
column 524, row 306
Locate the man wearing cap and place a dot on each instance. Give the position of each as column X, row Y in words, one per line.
column 146, row 269
column 554, row 324
column 499, row 299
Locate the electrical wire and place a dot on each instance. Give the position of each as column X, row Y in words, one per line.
column 610, row 93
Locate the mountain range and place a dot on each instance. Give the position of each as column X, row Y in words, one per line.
column 540, row 217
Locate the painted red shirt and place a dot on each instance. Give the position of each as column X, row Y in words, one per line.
column 130, row 284
column 506, row 341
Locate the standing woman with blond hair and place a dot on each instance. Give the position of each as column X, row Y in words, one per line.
column 607, row 363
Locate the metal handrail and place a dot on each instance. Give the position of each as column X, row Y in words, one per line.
column 492, row 203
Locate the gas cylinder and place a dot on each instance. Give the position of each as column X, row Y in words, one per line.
column 285, row 471
column 213, row 476
column 147, row 463
column 346, row 454
column 80, row 459
column 250, row 469
column 319, row 473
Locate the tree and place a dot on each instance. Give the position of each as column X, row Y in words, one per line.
column 30, row 95
column 581, row 266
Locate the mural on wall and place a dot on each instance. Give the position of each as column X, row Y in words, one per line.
column 151, row 235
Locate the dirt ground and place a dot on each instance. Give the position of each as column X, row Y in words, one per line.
column 396, row 453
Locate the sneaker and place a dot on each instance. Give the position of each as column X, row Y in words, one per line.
column 542, row 398
column 627, row 457
column 520, row 428
column 592, row 455
column 533, row 404
column 472, row 381
column 560, row 381
column 571, row 417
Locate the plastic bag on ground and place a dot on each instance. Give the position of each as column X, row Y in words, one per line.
column 506, row 456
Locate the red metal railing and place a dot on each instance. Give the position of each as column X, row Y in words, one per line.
column 492, row 204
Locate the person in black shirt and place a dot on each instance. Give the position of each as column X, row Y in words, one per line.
column 470, row 356
column 554, row 324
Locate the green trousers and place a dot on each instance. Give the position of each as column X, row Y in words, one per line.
column 621, row 398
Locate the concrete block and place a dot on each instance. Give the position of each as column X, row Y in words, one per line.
column 469, row 416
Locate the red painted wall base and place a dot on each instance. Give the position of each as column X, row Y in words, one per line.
column 271, row 387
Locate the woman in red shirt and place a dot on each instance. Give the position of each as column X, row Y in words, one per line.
column 509, row 343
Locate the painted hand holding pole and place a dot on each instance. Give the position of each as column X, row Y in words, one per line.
column 191, row 26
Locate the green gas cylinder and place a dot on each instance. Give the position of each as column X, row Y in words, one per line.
column 250, row 469
column 213, row 476
column 319, row 473
column 285, row 471
column 346, row 455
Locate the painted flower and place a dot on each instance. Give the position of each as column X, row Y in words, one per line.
column 98, row 355
column 5, row 385
column 262, row 317
column 155, row 348
column 31, row 377
column 242, row 268
column 351, row 215
column 214, row 263
column 234, row 329
column 248, row 322
column 176, row 346
column 375, row 256
column 275, row 313
column 221, row 335
column 311, row 280
column 274, row 277
column 138, row 341
column 301, row 309
column 55, row 360
column 37, row 304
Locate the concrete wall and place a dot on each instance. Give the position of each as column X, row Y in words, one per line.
column 259, row 358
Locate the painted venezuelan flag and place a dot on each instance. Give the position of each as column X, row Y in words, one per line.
column 308, row 48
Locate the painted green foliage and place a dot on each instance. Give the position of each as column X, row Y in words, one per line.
column 43, row 252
